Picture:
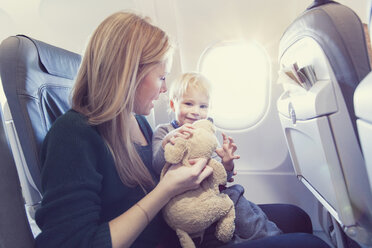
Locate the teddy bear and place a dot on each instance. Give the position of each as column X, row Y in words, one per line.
column 191, row 212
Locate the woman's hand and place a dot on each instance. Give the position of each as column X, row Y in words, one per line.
column 185, row 132
column 226, row 152
column 179, row 178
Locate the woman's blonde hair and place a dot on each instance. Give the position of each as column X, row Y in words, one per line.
column 186, row 81
column 121, row 52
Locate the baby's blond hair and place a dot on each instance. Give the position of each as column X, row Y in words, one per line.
column 187, row 80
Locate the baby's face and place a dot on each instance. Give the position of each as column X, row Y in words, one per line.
column 192, row 106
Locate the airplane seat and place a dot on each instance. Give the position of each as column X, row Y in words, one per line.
column 363, row 108
column 323, row 57
column 37, row 79
column 14, row 229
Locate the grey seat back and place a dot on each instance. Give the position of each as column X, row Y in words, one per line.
column 363, row 109
column 318, row 118
column 37, row 79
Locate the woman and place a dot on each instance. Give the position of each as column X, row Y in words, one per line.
column 98, row 187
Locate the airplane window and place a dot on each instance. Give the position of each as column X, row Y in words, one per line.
column 240, row 75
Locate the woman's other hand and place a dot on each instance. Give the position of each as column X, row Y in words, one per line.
column 179, row 178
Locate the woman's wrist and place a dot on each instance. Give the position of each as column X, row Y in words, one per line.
column 165, row 190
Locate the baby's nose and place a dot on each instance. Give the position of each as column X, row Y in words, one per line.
column 196, row 110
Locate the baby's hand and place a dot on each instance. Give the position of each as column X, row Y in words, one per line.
column 226, row 152
column 231, row 179
column 185, row 132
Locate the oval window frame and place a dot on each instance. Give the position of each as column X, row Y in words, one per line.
column 267, row 90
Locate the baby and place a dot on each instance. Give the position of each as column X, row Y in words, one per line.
column 189, row 99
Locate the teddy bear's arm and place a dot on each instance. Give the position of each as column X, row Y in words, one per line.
column 185, row 239
column 219, row 173
column 175, row 153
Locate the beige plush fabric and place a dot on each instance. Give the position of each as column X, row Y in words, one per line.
column 190, row 213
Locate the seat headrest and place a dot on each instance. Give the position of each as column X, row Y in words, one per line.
column 340, row 34
column 37, row 80
column 65, row 66
column 317, row 3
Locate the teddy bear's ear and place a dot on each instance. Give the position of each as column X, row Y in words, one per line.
column 175, row 153
column 212, row 127
column 205, row 124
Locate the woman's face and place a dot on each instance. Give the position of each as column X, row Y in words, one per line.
column 149, row 89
